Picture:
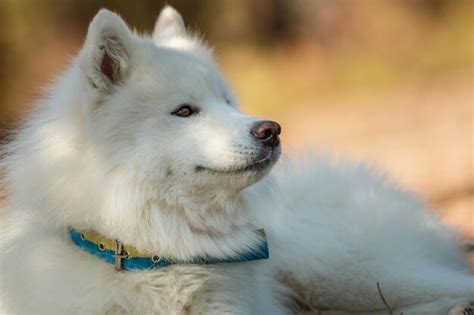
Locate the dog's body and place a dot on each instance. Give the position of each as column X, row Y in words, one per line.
column 117, row 149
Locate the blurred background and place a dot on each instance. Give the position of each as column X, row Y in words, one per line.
column 388, row 82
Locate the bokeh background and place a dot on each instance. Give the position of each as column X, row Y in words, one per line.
column 388, row 82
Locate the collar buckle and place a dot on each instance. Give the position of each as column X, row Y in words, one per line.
column 119, row 255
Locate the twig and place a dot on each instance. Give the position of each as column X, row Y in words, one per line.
column 390, row 310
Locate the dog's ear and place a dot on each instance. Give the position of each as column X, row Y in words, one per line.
column 107, row 51
column 170, row 32
column 169, row 25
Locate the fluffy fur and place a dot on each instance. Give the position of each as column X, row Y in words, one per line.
column 104, row 152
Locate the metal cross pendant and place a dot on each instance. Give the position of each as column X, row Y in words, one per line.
column 119, row 255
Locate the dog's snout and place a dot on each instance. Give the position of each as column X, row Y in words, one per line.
column 267, row 132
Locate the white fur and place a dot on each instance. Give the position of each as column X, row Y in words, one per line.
column 103, row 152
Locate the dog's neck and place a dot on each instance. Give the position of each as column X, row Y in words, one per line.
column 215, row 224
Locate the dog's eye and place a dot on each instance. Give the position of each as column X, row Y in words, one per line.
column 184, row 111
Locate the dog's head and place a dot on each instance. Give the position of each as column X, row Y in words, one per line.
column 159, row 106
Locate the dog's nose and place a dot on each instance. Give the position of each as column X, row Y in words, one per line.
column 267, row 132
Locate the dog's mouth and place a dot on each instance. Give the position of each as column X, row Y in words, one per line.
column 254, row 166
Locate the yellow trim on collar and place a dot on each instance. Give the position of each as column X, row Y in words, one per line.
column 110, row 244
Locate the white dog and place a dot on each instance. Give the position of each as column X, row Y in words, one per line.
column 133, row 190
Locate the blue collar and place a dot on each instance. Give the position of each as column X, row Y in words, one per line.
column 126, row 257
